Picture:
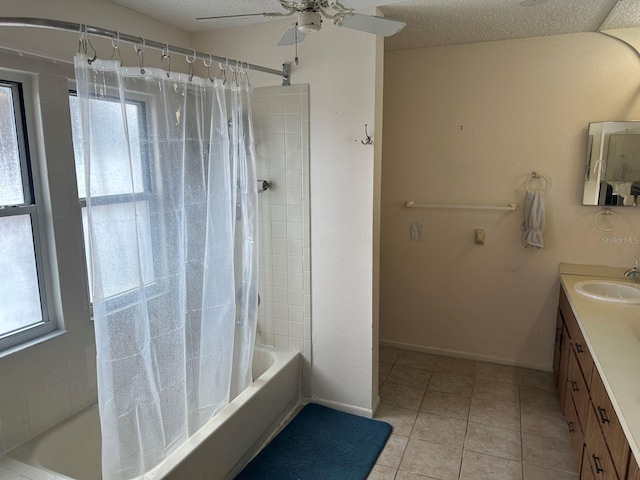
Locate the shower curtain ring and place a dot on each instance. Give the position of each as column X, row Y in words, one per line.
column 247, row 75
column 80, row 39
column 223, row 70
column 140, row 52
column 115, row 43
column 139, row 48
column 208, row 65
column 190, row 61
column 95, row 54
column 84, row 43
column 165, row 56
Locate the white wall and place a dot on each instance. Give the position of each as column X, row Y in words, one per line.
column 466, row 125
column 339, row 65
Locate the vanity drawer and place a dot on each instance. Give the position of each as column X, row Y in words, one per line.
column 610, row 425
column 599, row 458
column 578, row 389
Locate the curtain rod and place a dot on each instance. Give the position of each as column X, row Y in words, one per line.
column 285, row 73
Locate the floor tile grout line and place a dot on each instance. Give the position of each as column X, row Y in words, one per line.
column 425, row 390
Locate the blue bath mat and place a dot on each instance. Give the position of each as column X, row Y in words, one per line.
column 320, row 444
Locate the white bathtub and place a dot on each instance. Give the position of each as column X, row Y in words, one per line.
column 219, row 450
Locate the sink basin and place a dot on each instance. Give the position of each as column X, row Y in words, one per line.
column 609, row 291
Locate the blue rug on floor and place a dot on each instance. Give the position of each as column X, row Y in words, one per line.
column 320, row 444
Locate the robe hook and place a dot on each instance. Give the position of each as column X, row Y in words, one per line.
column 368, row 140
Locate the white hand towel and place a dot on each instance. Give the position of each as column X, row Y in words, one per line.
column 533, row 225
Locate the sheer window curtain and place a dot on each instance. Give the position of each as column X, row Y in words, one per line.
column 171, row 216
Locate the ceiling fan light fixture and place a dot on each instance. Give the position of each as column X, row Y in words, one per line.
column 309, row 22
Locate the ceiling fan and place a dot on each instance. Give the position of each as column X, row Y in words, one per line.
column 309, row 15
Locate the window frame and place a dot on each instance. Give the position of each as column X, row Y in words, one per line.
column 22, row 85
column 126, row 298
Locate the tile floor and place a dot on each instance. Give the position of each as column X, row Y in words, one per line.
column 456, row 419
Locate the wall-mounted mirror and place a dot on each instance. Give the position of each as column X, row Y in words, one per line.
column 612, row 175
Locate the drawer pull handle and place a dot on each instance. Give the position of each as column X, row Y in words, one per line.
column 570, row 425
column 579, row 348
column 603, row 415
column 596, row 463
column 574, row 386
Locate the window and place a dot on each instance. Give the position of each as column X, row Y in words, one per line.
column 126, row 191
column 23, row 303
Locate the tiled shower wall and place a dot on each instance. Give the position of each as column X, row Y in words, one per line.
column 281, row 126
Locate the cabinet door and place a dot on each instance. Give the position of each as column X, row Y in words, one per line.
column 577, row 438
column 599, row 458
column 634, row 470
column 610, row 425
column 578, row 389
column 577, row 339
column 585, row 471
column 583, row 355
column 557, row 348
column 563, row 368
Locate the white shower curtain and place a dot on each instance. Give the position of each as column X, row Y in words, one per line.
column 171, row 213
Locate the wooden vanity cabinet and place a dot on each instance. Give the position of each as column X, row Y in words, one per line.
column 599, row 444
column 634, row 470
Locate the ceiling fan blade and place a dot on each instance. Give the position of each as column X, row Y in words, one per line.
column 360, row 4
column 372, row 24
column 289, row 37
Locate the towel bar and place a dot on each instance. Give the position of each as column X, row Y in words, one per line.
column 512, row 207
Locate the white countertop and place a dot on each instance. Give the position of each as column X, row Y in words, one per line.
column 612, row 332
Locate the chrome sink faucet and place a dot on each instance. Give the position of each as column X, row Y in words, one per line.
column 634, row 272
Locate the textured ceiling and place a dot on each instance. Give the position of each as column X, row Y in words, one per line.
column 429, row 22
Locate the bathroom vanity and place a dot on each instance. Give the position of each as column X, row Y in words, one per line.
column 597, row 371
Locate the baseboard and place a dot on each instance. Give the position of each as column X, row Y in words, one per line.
column 376, row 404
column 469, row 356
column 343, row 407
